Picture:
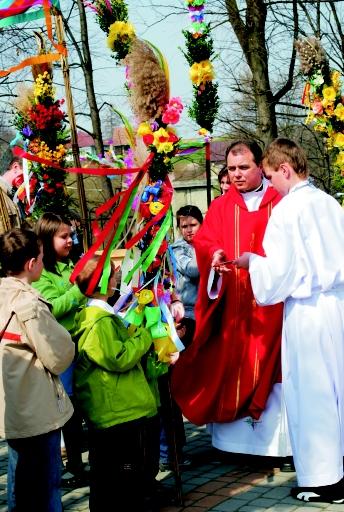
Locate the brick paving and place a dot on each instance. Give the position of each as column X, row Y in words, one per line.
column 214, row 482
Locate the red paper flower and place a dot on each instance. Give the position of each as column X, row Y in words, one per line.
column 148, row 139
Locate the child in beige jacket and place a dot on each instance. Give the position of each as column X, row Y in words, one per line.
column 34, row 350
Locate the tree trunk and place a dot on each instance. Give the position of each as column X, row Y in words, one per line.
column 86, row 64
column 251, row 37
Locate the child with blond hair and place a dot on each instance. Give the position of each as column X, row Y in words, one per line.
column 114, row 396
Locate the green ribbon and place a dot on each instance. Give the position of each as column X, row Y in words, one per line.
column 121, row 225
column 158, row 239
column 26, row 16
column 150, row 253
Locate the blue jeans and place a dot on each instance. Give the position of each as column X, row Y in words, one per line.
column 164, row 449
column 34, row 473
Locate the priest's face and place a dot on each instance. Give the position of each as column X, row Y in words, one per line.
column 188, row 227
column 243, row 171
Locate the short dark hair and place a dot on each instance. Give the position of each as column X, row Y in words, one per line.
column 238, row 145
column 17, row 246
column 84, row 277
column 46, row 228
column 15, row 160
column 189, row 211
column 222, row 173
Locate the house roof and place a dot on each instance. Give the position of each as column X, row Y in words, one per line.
column 85, row 140
column 218, row 150
column 120, row 136
column 190, row 169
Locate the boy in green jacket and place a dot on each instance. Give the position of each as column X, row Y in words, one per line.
column 115, row 398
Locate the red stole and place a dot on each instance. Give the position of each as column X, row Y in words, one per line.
column 229, row 370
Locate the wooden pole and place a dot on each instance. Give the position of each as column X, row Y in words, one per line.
column 207, row 172
column 175, row 461
column 73, row 131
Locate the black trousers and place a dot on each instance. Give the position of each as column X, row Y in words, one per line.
column 117, row 467
column 73, row 439
column 171, row 417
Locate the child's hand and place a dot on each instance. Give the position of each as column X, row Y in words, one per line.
column 181, row 330
column 174, row 356
column 177, row 310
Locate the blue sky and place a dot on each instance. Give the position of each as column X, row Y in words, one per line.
column 166, row 35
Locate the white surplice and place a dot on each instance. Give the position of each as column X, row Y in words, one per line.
column 269, row 435
column 304, row 267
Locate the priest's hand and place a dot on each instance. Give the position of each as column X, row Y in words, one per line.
column 219, row 262
column 243, row 261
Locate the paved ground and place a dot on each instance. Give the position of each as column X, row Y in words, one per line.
column 212, row 483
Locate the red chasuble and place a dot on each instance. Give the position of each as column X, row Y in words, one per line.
column 230, row 368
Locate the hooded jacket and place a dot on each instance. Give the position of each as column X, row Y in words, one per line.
column 110, row 385
column 187, row 275
column 34, row 350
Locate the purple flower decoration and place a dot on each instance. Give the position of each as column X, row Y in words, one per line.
column 27, row 132
column 154, row 126
column 129, row 159
column 196, row 18
column 197, row 8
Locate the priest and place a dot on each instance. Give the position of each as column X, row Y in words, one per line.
column 230, row 375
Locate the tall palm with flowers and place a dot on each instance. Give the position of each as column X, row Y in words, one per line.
column 323, row 96
column 40, row 122
column 147, row 85
column 199, row 54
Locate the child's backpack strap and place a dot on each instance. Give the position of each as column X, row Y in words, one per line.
column 7, row 324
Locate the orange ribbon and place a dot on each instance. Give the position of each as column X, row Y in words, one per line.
column 47, row 57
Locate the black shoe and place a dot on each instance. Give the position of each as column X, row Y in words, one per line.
column 326, row 494
column 69, row 481
column 165, row 466
column 168, row 466
column 185, row 462
column 287, row 467
column 159, row 497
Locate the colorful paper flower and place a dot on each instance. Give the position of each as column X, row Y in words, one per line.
column 144, row 129
column 171, row 116
column 40, row 121
column 329, row 93
column 339, row 111
column 317, row 107
column 120, row 30
column 162, row 142
column 202, row 72
column 176, row 102
column 322, row 95
column 339, row 162
column 338, row 140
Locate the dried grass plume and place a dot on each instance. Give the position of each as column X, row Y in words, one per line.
column 24, row 98
column 149, row 86
column 312, row 55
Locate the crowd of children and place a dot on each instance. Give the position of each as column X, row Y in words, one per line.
column 105, row 380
